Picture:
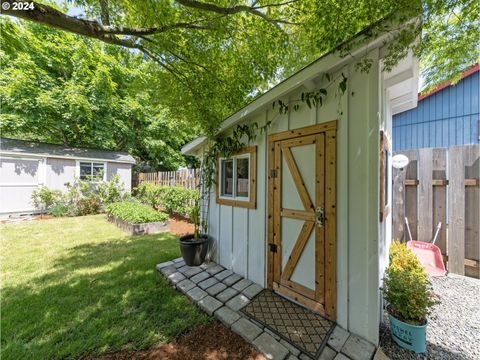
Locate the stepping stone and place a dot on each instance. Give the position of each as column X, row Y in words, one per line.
column 200, row 277
column 232, row 279
column 224, row 274
column 226, row 294
column 327, row 354
column 291, row 357
column 168, row 270
column 217, row 288
column 208, row 265
column 341, row 357
column 185, row 285
column 183, row 269
column 176, row 277
column 209, row 304
column 207, row 283
column 246, row 329
column 337, row 338
column 179, row 263
column 177, row 260
column 252, row 290
column 196, row 294
column 227, row 316
column 164, row 264
column 242, row 284
column 358, row 349
column 270, row 347
column 194, row 270
column 237, row 302
column 215, row 269
column 291, row 349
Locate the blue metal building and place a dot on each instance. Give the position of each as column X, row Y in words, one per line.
column 446, row 116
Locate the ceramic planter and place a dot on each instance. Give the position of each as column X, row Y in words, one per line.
column 411, row 337
column 193, row 250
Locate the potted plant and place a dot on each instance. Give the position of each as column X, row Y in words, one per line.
column 407, row 291
column 194, row 246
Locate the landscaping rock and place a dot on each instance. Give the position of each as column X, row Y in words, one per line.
column 209, row 304
column 252, row 290
column 194, row 270
column 242, row 284
column 196, row 294
column 217, row 288
column 200, row 277
column 246, row 329
column 223, row 274
column 215, row 269
column 232, row 279
column 358, row 349
column 226, row 294
column 270, row 347
column 185, row 285
column 175, row 278
column 227, row 316
column 337, row 338
column 207, row 283
column 237, row 302
column 327, row 354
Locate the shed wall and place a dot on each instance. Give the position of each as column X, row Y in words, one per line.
column 59, row 173
column 123, row 170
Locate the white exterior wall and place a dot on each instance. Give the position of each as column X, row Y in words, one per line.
column 60, row 172
column 240, row 233
column 124, row 171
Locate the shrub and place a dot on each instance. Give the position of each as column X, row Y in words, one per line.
column 111, row 191
column 135, row 213
column 59, row 210
column 149, row 194
column 406, row 287
column 176, row 199
column 43, row 197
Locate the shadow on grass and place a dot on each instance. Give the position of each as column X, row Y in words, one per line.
column 97, row 298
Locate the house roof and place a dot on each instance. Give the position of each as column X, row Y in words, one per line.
column 329, row 62
column 39, row 149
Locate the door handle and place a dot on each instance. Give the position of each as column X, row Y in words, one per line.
column 320, row 213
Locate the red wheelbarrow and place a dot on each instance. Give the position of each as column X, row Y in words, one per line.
column 428, row 254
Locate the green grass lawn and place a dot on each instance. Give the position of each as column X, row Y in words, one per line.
column 74, row 287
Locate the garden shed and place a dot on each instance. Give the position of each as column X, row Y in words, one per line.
column 26, row 165
column 303, row 209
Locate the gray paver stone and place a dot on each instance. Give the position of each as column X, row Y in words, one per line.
column 252, row 290
column 226, row 294
column 200, row 277
column 209, row 304
column 358, row 349
column 227, row 316
column 194, row 270
column 237, row 302
column 291, row 349
column 183, row 269
column 223, row 274
column 304, row 357
column 164, row 264
column 232, row 279
column 185, row 285
column 178, row 259
column 196, row 294
column 270, row 347
column 215, row 269
column 242, row 284
column 208, row 265
column 168, row 270
column 327, row 354
column 207, row 283
column 291, row 357
column 246, row 329
column 176, row 277
column 341, row 357
column 275, row 336
column 217, row 288
column 179, row 264
column 337, row 338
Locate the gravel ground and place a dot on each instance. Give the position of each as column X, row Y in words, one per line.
column 454, row 327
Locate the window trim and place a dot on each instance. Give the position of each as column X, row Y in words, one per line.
column 77, row 169
column 249, row 202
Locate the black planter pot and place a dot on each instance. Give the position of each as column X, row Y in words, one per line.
column 194, row 251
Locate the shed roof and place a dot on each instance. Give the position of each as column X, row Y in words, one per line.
column 39, row 149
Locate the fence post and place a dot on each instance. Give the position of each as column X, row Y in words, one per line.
column 425, row 199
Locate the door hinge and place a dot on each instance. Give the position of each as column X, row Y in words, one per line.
column 273, row 173
column 273, row 247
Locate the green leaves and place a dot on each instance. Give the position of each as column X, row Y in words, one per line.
column 135, row 213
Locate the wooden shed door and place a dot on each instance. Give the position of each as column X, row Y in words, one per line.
column 302, row 246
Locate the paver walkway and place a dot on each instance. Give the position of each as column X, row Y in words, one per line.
column 222, row 293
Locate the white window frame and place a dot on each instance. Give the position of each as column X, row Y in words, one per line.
column 77, row 169
column 234, row 178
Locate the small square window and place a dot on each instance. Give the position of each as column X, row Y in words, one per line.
column 91, row 171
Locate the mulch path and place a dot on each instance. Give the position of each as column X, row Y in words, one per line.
column 208, row 342
column 180, row 226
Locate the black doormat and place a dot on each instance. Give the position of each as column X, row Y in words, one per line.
column 306, row 330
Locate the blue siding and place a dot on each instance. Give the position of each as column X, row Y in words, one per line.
column 448, row 117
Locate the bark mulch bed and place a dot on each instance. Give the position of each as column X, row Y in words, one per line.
column 180, row 226
column 208, row 342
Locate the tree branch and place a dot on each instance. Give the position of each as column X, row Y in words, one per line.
column 104, row 14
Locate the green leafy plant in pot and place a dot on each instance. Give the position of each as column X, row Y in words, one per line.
column 194, row 246
column 408, row 293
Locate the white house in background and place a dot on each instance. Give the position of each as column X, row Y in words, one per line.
column 310, row 224
column 26, row 165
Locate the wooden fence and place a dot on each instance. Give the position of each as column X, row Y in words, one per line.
column 441, row 184
column 188, row 178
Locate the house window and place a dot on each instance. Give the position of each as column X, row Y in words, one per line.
column 236, row 183
column 91, row 171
